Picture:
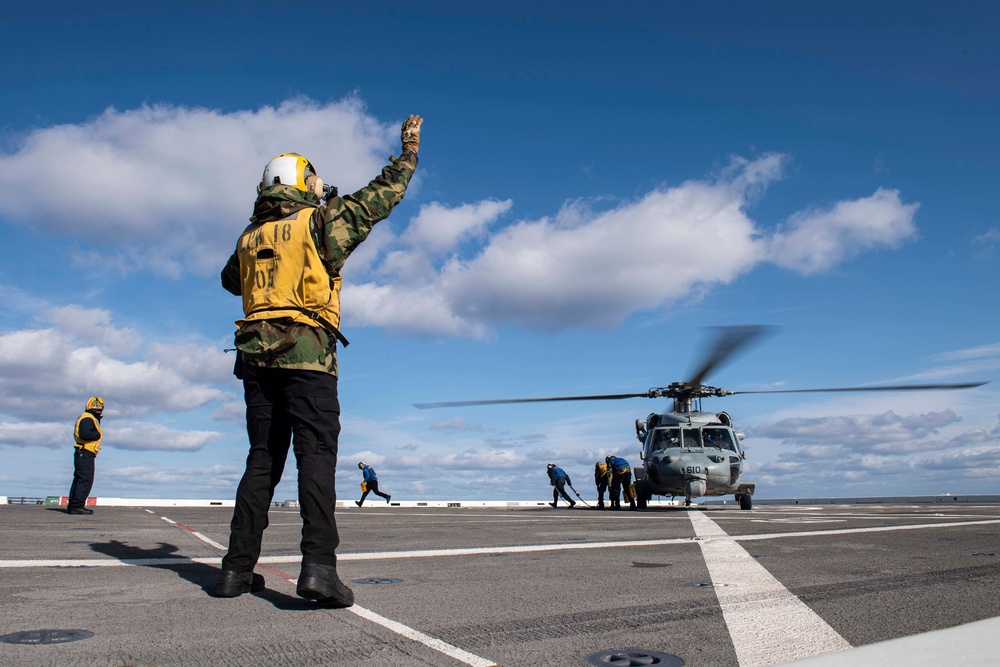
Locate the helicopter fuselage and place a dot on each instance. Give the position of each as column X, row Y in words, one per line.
column 689, row 455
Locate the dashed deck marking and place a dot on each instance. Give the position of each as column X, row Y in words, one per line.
column 417, row 636
column 207, row 540
column 768, row 624
column 430, row 642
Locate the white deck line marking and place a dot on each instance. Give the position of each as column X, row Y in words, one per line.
column 430, row 642
column 528, row 548
column 107, row 562
column 203, row 538
column 431, row 553
column 406, row 631
column 208, row 540
column 768, row 624
column 870, row 529
column 419, row 637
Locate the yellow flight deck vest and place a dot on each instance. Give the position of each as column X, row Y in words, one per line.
column 93, row 446
column 600, row 473
column 281, row 274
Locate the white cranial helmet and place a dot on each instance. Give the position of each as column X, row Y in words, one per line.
column 287, row 169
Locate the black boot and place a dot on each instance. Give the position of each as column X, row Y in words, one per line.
column 233, row 584
column 320, row 583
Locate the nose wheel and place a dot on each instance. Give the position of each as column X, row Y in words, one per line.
column 746, row 501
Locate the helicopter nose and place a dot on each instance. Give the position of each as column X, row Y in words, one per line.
column 694, row 487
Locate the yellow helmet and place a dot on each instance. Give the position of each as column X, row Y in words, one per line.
column 95, row 404
column 287, row 169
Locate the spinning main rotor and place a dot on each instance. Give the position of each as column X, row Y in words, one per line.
column 728, row 342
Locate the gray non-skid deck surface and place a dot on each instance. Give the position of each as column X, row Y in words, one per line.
column 135, row 581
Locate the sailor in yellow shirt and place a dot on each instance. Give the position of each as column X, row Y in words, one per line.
column 87, row 434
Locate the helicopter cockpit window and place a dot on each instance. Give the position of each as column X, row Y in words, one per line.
column 664, row 438
column 692, row 438
column 719, row 437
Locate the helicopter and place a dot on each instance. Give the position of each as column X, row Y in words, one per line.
column 687, row 452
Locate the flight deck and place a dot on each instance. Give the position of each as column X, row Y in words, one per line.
column 519, row 586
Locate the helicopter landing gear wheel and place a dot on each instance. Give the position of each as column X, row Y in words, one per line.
column 746, row 501
column 687, row 502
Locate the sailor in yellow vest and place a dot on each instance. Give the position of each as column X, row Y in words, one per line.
column 287, row 268
column 87, row 434
column 602, row 478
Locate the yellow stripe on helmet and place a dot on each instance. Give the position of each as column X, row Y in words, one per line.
column 287, row 169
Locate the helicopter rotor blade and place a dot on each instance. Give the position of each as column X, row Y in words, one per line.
column 892, row 387
column 599, row 397
column 728, row 342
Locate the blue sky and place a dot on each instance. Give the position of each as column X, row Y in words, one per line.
column 596, row 187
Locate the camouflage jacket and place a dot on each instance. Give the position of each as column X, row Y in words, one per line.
column 338, row 227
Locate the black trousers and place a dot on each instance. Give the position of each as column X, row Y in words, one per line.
column 298, row 408
column 618, row 481
column 560, row 490
column 602, row 486
column 372, row 487
column 83, row 478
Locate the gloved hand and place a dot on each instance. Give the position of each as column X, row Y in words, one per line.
column 410, row 133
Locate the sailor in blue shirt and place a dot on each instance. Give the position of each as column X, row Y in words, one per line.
column 621, row 479
column 369, row 484
column 559, row 479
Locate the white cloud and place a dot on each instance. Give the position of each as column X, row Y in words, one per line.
column 142, row 436
column 146, row 436
column 877, row 454
column 986, row 242
column 168, row 188
column 880, row 432
column 146, row 481
column 439, row 228
column 593, row 268
column 55, row 365
column 819, row 240
column 37, row 434
column 93, row 326
column 193, row 362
